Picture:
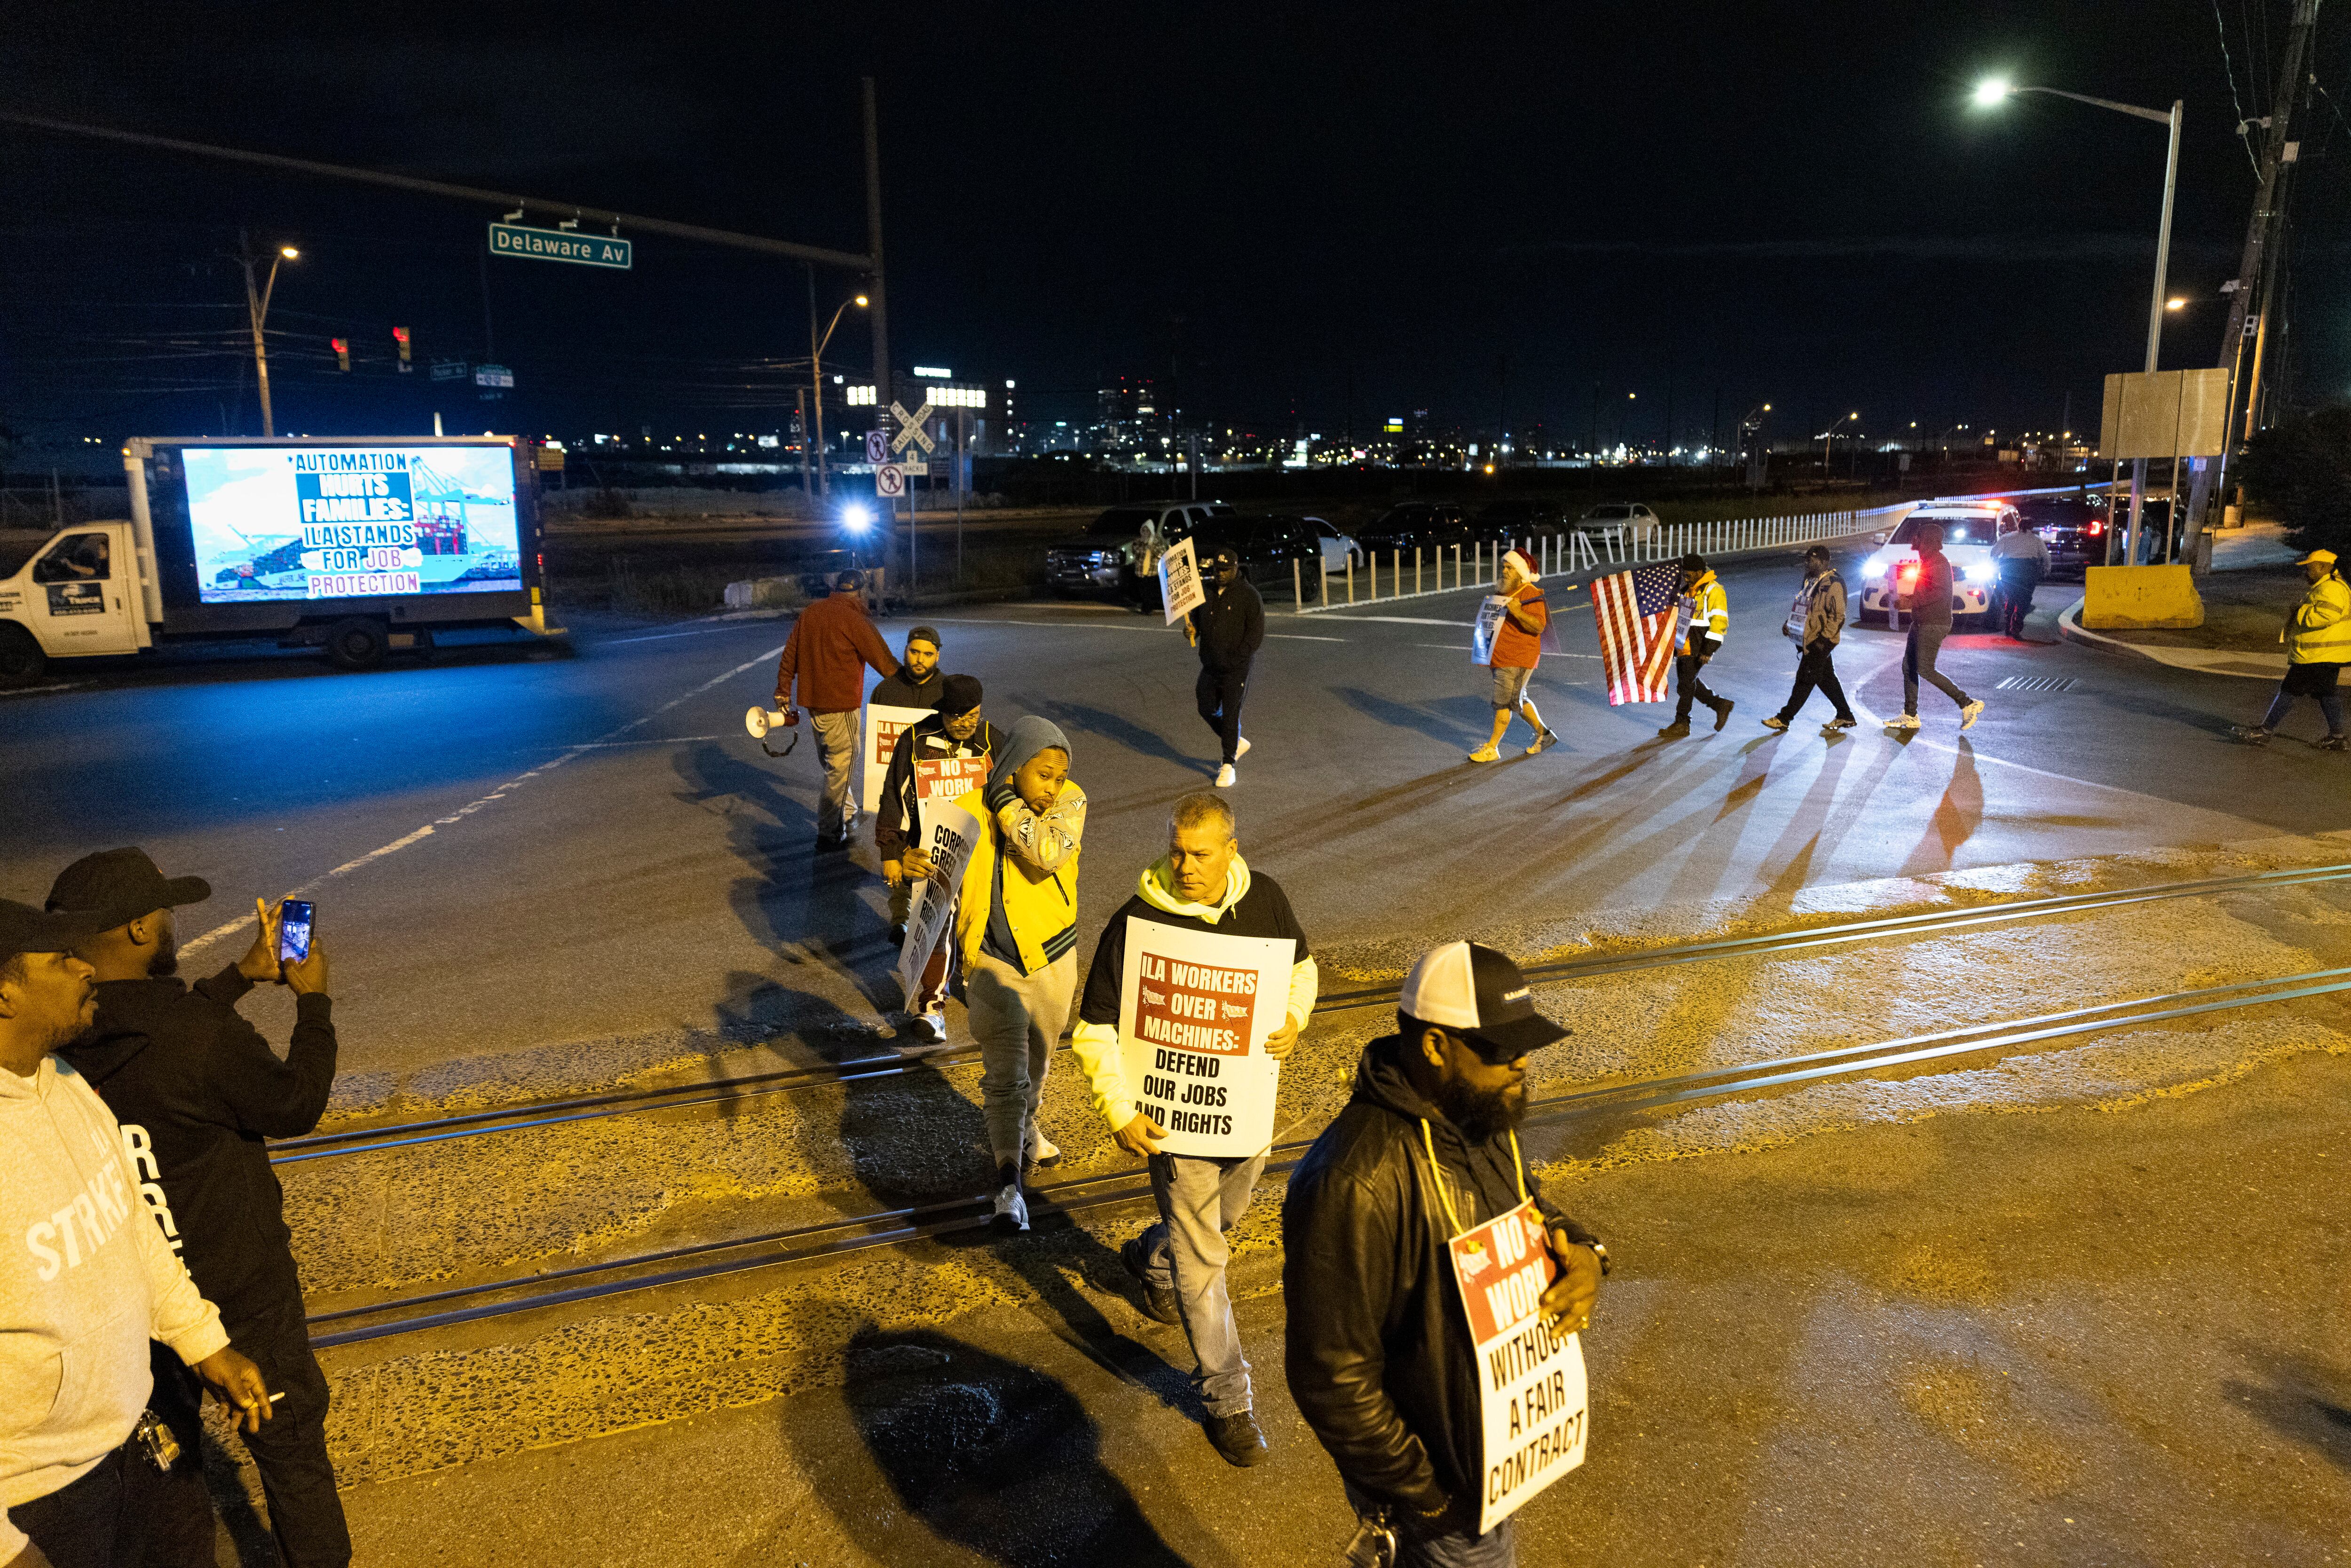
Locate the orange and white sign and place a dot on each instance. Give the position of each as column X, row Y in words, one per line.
column 1532, row 1393
column 1194, row 1011
column 883, row 726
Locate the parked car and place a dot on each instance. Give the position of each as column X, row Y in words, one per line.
column 1102, row 561
column 2074, row 529
column 1517, row 520
column 1636, row 520
column 1283, row 536
column 1414, row 525
column 1968, row 529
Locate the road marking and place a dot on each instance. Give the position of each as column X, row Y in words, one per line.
column 1048, row 625
column 1300, row 637
column 55, row 687
column 609, row 737
column 663, row 637
column 1400, row 620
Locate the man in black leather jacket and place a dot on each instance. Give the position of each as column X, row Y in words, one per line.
column 1378, row 1349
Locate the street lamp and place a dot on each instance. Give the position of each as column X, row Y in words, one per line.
column 1826, row 436
column 1995, row 90
column 257, row 311
column 816, row 377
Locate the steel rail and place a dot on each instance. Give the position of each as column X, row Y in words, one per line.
column 892, row 1226
column 552, row 1113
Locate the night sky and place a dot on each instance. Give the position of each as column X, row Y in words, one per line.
column 1311, row 215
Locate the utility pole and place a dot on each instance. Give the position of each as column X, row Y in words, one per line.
column 816, row 395
column 257, row 311
column 883, row 393
column 2268, row 210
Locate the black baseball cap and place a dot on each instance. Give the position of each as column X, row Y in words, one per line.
column 926, row 634
column 959, row 696
column 24, row 929
column 1477, row 992
column 120, row 886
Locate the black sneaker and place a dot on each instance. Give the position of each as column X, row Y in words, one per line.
column 1238, row 1439
column 2336, row 743
column 1836, row 723
column 1158, row 1301
column 898, row 933
column 2251, row 735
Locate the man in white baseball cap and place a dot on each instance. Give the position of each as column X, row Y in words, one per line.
column 1377, row 1347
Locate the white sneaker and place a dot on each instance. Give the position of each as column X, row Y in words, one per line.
column 1011, row 1208
column 928, row 1027
column 1970, row 714
column 1242, row 749
column 1047, row 1151
column 1225, row 777
column 1903, row 721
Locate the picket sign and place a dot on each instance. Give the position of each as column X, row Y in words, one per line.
column 1194, row 1011
column 1533, row 1395
column 883, row 726
column 949, row 832
column 1179, row 581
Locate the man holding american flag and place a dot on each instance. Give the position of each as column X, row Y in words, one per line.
column 1639, row 615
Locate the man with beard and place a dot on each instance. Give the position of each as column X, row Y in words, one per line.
column 197, row 1090
column 1378, row 1346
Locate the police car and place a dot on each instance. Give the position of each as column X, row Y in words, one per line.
column 1968, row 529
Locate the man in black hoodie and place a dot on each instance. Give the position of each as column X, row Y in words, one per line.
column 1228, row 628
column 1378, row 1347
column 197, row 1090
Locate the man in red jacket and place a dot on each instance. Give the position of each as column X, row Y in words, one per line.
column 830, row 645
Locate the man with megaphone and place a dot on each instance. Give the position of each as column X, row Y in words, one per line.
column 830, row 643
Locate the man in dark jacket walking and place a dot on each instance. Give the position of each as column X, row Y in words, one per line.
column 197, row 1090
column 830, row 644
column 1923, row 591
column 1816, row 625
column 1228, row 630
column 956, row 732
column 1379, row 1353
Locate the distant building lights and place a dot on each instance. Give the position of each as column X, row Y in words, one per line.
column 934, row 373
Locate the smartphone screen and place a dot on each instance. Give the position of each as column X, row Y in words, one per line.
column 294, row 931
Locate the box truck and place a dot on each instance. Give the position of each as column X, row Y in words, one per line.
column 356, row 545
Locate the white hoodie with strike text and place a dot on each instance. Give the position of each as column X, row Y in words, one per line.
column 86, row 1281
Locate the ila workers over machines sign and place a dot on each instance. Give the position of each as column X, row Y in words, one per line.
column 1194, row 1011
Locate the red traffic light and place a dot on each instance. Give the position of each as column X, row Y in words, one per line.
column 343, row 347
column 400, row 336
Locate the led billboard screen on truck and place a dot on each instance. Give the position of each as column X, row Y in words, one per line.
column 347, row 522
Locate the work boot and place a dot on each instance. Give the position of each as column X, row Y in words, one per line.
column 1775, row 724
column 2252, row 735
column 1847, row 722
column 1722, row 712
column 1679, row 728
column 1237, row 1438
column 2336, row 743
column 1159, row 1302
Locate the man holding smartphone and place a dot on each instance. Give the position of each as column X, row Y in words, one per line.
column 196, row 1090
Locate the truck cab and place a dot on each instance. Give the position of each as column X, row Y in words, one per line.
column 78, row 594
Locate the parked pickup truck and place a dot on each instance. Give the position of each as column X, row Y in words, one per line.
column 355, row 545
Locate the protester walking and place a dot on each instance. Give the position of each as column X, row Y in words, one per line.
column 1017, row 933
column 1923, row 592
column 919, row 681
column 1378, row 1347
column 1705, row 624
column 1227, row 628
column 2022, row 559
column 956, row 732
column 197, row 1090
column 1816, row 623
column 826, row 654
column 87, row 1282
column 2318, row 639
column 1202, row 883
column 1517, row 650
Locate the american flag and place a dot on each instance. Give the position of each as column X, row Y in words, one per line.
column 1638, row 613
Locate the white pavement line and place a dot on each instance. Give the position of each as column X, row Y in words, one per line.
column 1297, row 637
column 608, row 738
column 55, row 687
column 663, row 637
column 1051, row 625
column 1402, row 620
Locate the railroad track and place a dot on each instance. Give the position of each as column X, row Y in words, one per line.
column 784, row 1080
column 839, row 1238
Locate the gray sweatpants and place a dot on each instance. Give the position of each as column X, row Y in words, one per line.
column 1199, row 1200
column 1017, row 1021
column 836, row 736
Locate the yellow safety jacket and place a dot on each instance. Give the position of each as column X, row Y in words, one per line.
column 1709, row 613
column 1040, row 904
column 2320, row 632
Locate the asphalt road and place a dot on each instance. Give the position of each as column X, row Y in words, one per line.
column 538, row 869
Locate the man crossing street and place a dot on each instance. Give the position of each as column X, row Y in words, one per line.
column 1815, row 624
column 830, row 643
column 1923, row 592
column 1228, row 628
column 1202, row 883
column 1705, row 623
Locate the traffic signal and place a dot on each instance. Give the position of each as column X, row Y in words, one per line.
column 342, row 352
column 400, row 336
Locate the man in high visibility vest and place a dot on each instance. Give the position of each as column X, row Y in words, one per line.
column 1705, row 622
column 2318, row 640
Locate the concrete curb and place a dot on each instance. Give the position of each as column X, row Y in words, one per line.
column 2200, row 661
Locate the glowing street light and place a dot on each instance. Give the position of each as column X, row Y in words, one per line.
column 816, row 375
column 256, row 312
column 2174, row 303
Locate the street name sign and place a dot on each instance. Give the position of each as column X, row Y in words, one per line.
column 560, row 245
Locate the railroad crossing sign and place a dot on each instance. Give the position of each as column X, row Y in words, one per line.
column 889, row 481
column 913, row 433
column 877, row 446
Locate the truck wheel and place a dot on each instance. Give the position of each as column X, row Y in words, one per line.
column 356, row 644
column 21, row 659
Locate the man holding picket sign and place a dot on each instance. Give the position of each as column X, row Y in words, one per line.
column 940, row 760
column 1199, row 987
column 1512, row 627
column 1430, row 1283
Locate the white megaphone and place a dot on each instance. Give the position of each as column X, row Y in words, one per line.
column 760, row 721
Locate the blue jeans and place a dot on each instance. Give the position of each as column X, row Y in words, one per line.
column 1199, row 1200
column 1498, row 1547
